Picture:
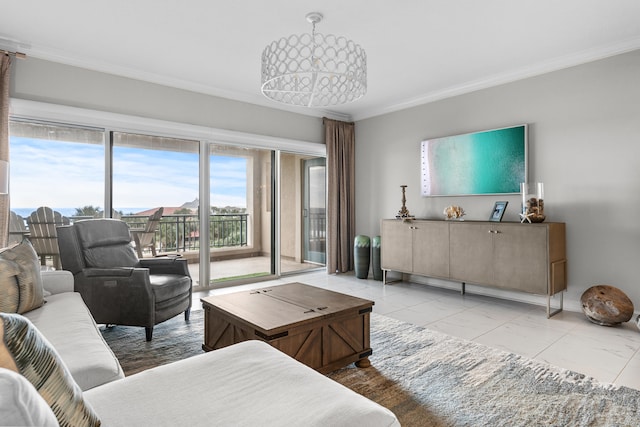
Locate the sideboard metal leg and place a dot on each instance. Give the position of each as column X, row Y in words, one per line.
column 463, row 288
column 556, row 311
column 384, row 278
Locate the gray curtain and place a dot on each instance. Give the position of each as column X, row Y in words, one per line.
column 341, row 204
column 5, row 74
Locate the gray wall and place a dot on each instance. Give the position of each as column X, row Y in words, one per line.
column 44, row 81
column 584, row 145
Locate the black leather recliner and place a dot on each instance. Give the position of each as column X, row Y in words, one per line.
column 118, row 287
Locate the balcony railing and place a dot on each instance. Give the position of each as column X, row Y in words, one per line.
column 181, row 232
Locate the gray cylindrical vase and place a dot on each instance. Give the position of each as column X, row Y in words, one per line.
column 376, row 265
column 361, row 255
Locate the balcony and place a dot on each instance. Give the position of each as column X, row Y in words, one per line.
column 234, row 258
column 181, row 232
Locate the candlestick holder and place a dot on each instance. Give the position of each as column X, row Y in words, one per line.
column 403, row 213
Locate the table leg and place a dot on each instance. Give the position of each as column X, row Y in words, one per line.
column 363, row 363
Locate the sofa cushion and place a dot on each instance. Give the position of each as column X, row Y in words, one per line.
column 68, row 325
column 29, row 280
column 9, row 288
column 24, row 350
column 21, row 404
column 246, row 384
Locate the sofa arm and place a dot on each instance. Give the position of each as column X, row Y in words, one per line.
column 57, row 281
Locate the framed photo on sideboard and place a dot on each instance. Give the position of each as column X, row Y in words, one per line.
column 498, row 211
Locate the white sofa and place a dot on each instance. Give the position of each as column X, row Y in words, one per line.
column 247, row 384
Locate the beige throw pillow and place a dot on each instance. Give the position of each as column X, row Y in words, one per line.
column 9, row 289
column 31, row 293
column 24, row 350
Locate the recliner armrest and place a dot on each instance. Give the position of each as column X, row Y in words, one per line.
column 166, row 265
column 105, row 272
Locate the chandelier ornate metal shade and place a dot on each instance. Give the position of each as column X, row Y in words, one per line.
column 314, row 70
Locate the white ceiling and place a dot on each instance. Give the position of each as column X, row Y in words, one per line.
column 417, row 50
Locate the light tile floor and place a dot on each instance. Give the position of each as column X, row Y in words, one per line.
column 567, row 340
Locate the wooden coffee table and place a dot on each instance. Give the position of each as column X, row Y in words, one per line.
column 323, row 329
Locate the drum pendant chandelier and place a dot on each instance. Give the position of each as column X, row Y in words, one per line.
column 314, row 70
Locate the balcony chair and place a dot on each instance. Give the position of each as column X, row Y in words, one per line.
column 42, row 233
column 118, row 287
column 146, row 238
column 17, row 228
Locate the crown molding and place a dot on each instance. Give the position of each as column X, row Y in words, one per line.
column 559, row 63
column 555, row 64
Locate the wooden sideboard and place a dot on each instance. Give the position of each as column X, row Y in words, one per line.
column 506, row 255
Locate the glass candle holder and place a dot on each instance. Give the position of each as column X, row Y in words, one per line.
column 532, row 202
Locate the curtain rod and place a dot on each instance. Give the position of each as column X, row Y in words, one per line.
column 18, row 55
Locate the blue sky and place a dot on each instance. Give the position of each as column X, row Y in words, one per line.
column 67, row 174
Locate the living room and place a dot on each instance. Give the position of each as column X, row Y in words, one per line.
column 583, row 130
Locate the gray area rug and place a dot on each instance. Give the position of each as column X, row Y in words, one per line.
column 429, row 379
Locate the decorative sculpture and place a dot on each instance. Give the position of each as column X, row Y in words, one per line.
column 453, row 212
column 606, row 305
column 532, row 202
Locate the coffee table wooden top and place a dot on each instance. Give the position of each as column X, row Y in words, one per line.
column 278, row 307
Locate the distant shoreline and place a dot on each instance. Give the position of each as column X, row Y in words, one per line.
column 68, row 212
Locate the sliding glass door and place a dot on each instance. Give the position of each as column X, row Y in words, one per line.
column 315, row 211
column 241, row 208
column 302, row 212
column 264, row 215
column 157, row 174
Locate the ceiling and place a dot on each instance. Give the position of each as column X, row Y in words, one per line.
column 417, row 50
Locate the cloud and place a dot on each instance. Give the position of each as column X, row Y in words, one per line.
column 68, row 174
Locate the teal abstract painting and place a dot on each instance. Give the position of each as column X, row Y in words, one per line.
column 488, row 162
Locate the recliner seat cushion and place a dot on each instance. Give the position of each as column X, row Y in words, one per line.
column 168, row 286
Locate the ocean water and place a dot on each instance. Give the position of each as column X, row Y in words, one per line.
column 68, row 212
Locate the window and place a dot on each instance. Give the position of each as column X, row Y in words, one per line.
column 58, row 166
column 82, row 170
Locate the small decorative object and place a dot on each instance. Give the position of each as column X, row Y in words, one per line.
column 376, row 265
column 361, row 255
column 638, row 321
column 498, row 211
column 403, row 213
column 606, row 305
column 454, row 212
column 532, row 202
